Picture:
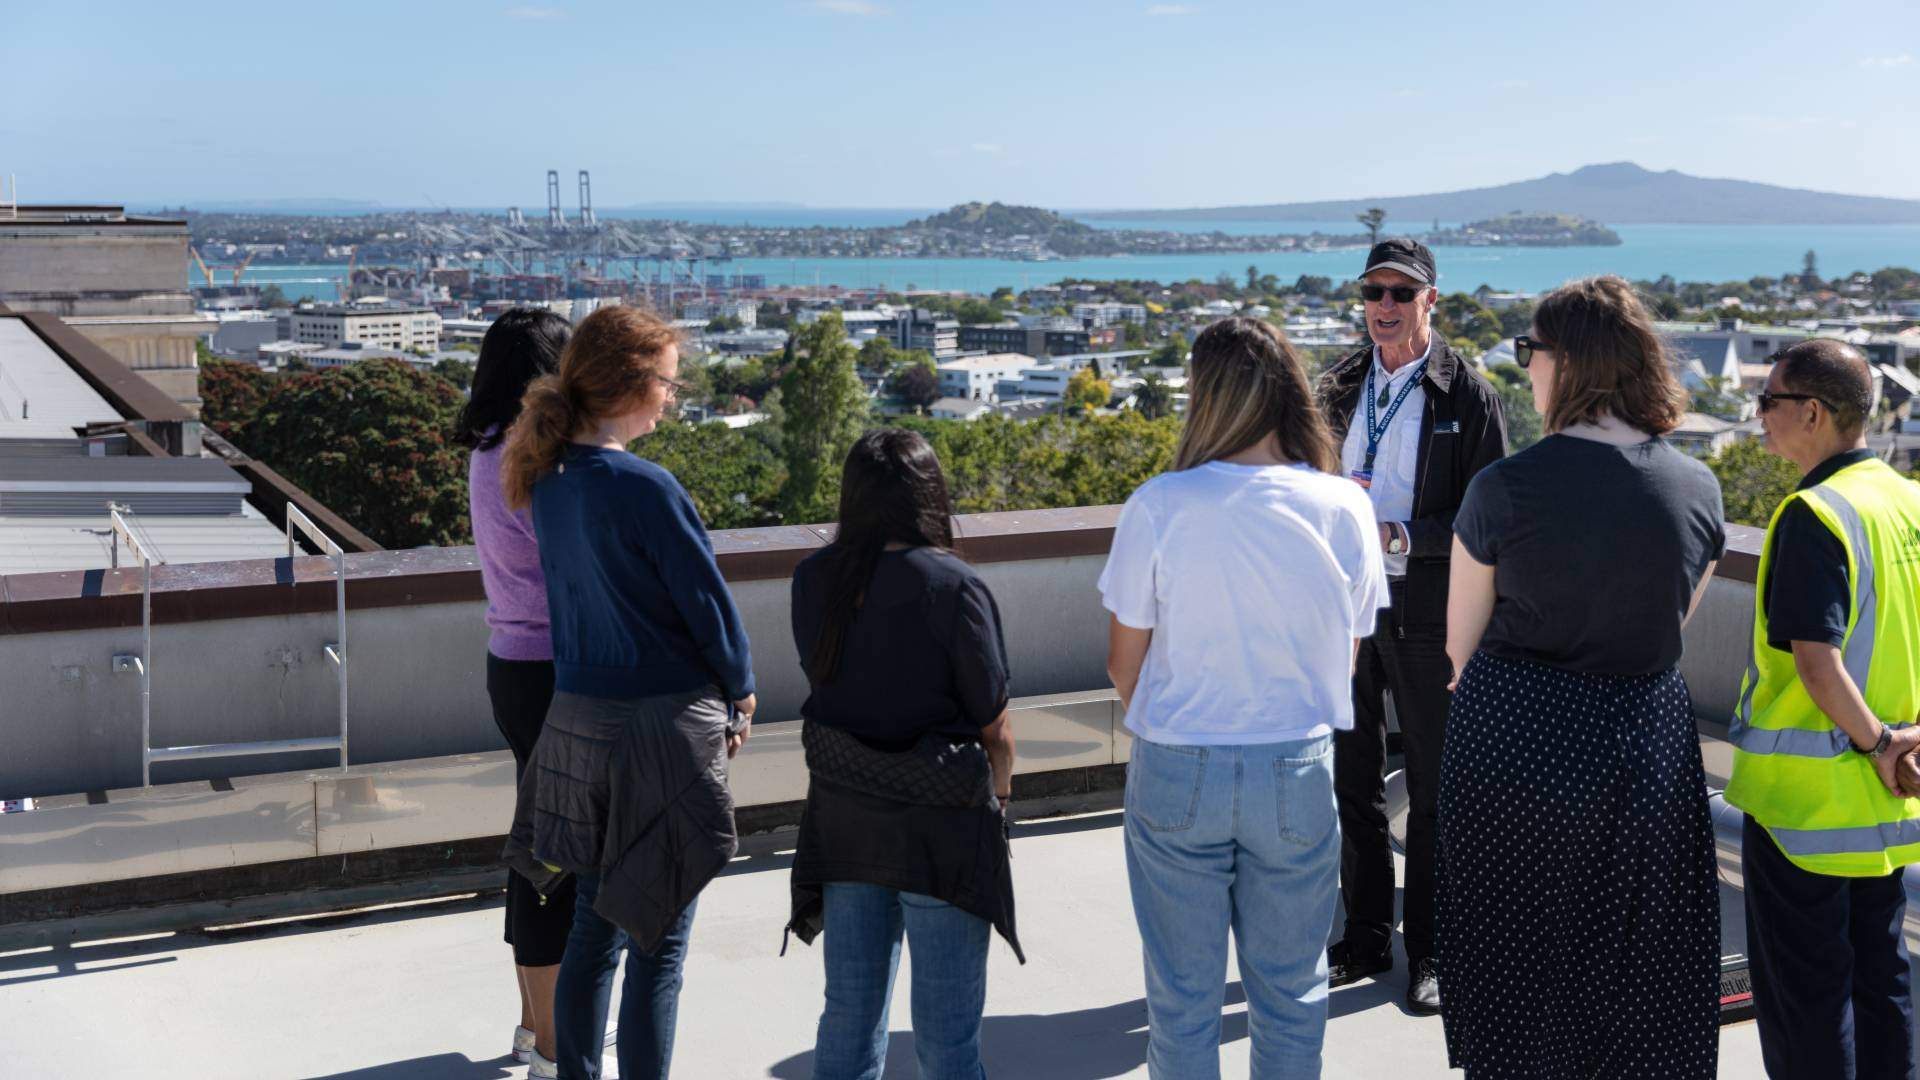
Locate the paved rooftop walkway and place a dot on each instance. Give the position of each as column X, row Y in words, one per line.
column 425, row 993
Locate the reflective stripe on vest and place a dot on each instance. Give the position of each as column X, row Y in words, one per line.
column 1856, row 653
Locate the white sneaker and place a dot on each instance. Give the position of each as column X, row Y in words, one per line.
column 522, row 1044
column 541, row 1069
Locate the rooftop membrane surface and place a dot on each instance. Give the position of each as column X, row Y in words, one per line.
column 425, row 992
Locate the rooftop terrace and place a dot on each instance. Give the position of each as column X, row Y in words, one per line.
column 423, row 990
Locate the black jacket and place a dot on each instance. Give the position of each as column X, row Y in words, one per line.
column 1462, row 430
column 635, row 791
column 921, row 820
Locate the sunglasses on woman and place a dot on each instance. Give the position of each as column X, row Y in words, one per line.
column 1524, row 347
column 1402, row 294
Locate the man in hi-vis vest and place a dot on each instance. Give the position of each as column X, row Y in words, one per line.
column 1826, row 713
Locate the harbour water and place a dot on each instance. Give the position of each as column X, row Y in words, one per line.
column 1687, row 252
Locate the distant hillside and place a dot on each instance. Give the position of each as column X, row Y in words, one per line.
column 1620, row 194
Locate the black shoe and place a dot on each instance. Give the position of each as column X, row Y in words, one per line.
column 1344, row 966
column 1423, row 990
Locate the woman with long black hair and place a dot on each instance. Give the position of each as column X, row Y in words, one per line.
column 521, row 345
column 910, row 757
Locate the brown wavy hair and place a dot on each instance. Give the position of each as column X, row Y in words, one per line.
column 1247, row 382
column 606, row 370
column 1608, row 358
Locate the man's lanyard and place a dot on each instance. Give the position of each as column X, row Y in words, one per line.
column 1377, row 432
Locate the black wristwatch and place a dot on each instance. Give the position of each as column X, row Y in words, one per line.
column 1879, row 747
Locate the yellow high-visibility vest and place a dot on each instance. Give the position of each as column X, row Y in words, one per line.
column 1793, row 769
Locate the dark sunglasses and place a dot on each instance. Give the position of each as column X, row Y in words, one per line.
column 1524, row 347
column 1402, row 294
column 1767, row 400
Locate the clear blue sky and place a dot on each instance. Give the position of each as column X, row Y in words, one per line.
column 890, row 103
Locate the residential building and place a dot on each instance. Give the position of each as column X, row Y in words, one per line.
column 381, row 326
column 1031, row 340
column 463, row 331
column 948, row 408
column 977, row 378
column 119, row 279
column 1704, row 436
column 745, row 312
column 936, row 335
column 275, row 354
column 345, row 355
column 1109, row 313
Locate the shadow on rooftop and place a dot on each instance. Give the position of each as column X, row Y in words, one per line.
column 144, row 949
column 448, row 1066
column 1088, row 1044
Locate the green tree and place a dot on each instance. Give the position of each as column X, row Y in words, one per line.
column 724, row 323
column 1313, row 285
column 733, row 476
column 1753, row 481
column 1154, row 398
column 1524, row 425
column 1086, row 391
column 916, row 384
column 371, row 442
column 1372, row 220
column 879, row 356
column 1459, row 315
column 1253, row 278
column 825, row 409
column 1516, row 319
column 232, row 395
column 457, row 372
column 1721, row 398
column 272, row 296
column 1171, row 353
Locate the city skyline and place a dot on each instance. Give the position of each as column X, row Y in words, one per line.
column 848, row 103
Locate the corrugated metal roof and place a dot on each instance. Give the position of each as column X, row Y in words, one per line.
column 33, row 545
column 33, row 376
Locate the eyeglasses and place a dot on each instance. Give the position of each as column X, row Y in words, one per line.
column 1767, row 400
column 1524, row 347
column 674, row 386
column 1402, row 294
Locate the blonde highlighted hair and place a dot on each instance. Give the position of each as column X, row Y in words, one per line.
column 1246, row 382
column 606, row 370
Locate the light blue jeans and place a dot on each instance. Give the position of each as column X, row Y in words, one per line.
column 1240, row 838
column 861, row 947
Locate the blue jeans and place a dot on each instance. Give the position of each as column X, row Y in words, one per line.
column 1240, row 838
column 862, row 954
column 649, row 1000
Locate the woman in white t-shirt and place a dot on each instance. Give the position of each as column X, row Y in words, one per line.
column 1239, row 583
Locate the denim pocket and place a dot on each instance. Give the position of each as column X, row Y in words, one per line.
column 1303, row 789
column 1163, row 784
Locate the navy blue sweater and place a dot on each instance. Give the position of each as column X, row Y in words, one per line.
column 638, row 605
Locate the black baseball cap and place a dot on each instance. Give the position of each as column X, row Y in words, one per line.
column 1405, row 254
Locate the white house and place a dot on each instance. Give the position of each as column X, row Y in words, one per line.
column 977, row 378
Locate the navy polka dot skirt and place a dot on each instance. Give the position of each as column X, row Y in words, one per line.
column 1577, row 926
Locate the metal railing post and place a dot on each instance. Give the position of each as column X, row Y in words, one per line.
column 337, row 651
column 123, row 530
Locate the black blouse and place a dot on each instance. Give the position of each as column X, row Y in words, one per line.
column 924, row 654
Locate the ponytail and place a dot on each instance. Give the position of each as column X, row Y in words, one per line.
column 603, row 372
column 547, row 420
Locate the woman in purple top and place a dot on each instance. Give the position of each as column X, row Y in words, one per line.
column 522, row 344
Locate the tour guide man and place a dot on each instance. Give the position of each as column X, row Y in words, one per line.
column 1417, row 423
column 1826, row 713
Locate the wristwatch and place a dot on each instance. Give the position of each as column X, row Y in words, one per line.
column 1879, row 746
column 1396, row 539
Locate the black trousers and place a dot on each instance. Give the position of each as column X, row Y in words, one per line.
column 1410, row 661
column 520, row 691
column 1829, row 962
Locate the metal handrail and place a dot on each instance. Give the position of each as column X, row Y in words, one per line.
column 336, row 650
column 124, row 529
